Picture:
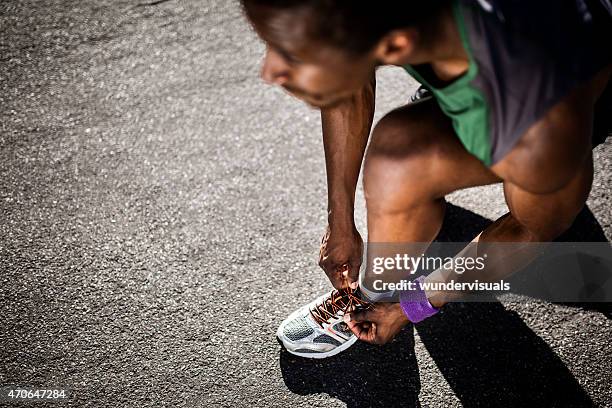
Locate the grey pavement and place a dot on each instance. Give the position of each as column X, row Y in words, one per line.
column 161, row 211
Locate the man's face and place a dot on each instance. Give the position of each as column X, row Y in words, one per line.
column 319, row 74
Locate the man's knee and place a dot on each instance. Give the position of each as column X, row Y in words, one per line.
column 397, row 164
column 548, row 228
column 546, row 216
column 547, row 221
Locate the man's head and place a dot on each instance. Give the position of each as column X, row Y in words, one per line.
column 323, row 51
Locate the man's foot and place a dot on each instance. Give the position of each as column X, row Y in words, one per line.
column 317, row 330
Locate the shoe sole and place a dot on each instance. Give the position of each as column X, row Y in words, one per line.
column 318, row 355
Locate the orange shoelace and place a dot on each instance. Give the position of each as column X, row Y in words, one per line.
column 343, row 300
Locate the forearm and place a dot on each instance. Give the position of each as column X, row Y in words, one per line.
column 508, row 246
column 346, row 128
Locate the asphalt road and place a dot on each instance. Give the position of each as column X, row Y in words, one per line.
column 160, row 215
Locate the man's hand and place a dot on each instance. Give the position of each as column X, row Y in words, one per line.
column 340, row 256
column 377, row 325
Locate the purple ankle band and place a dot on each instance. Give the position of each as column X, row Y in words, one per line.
column 414, row 303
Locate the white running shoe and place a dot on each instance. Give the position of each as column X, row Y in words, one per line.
column 317, row 330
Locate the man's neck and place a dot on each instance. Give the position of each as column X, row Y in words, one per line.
column 441, row 47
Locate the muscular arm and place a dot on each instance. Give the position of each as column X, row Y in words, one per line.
column 346, row 128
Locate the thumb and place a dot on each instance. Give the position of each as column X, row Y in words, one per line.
column 351, row 274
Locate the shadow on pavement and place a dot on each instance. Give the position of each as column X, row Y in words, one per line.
column 490, row 358
column 586, row 228
column 487, row 354
column 362, row 376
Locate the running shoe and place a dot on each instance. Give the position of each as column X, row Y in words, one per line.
column 317, row 330
column 419, row 94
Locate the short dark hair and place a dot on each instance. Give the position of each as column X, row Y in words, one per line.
column 357, row 25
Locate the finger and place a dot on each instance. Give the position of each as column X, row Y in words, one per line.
column 337, row 281
column 329, row 266
column 326, row 264
column 355, row 264
column 351, row 281
column 358, row 317
column 366, row 334
column 352, row 275
column 333, row 272
column 354, row 327
column 344, row 269
column 373, row 338
column 340, row 272
column 340, row 284
column 357, row 329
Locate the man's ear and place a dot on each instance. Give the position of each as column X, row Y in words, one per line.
column 396, row 47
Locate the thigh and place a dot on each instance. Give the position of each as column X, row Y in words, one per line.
column 415, row 154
